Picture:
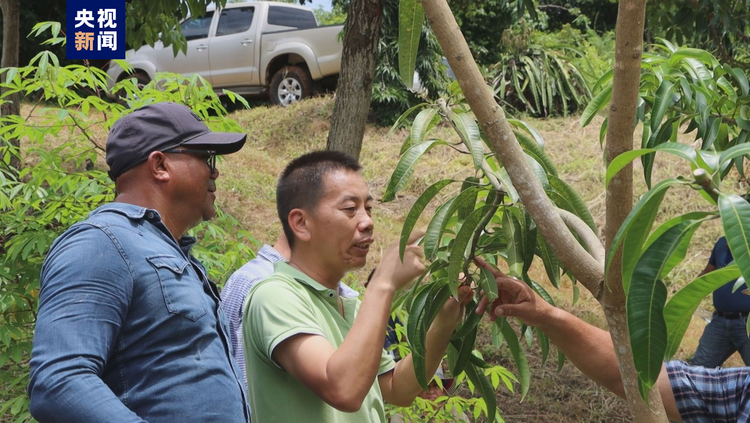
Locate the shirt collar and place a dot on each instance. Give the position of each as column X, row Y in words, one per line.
column 271, row 254
column 284, row 268
column 133, row 212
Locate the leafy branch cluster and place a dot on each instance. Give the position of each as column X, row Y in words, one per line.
column 483, row 217
column 63, row 132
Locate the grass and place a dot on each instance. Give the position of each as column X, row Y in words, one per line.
column 277, row 135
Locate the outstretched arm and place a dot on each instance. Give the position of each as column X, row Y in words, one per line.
column 327, row 370
column 589, row 348
column 400, row 386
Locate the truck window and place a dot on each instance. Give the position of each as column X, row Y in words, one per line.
column 235, row 20
column 195, row 28
column 291, row 17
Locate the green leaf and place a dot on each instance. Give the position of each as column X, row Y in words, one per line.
column 431, row 241
column 514, row 236
column 674, row 148
column 735, row 217
column 401, row 119
column 519, row 356
column 680, row 308
column 662, row 101
column 467, row 127
column 537, row 152
column 467, row 207
column 645, row 303
column 457, row 258
column 549, row 259
column 424, row 121
column 596, row 105
column 437, row 225
column 521, row 125
column 471, row 320
column 636, row 226
column 488, row 284
column 416, row 210
column 438, row 294
column 733, row 152
column 463, row 358
column 574, row 199
column 410, row 20
column 484, row 386
column 405, row 167
column 681, row 250
column 741, row 78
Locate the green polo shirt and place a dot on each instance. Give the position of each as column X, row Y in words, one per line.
column 290, row 303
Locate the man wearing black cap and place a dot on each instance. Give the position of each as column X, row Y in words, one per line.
column 129, row 326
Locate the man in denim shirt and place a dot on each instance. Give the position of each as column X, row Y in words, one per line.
column 129, row 326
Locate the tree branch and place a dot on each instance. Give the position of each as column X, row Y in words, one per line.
column 503, row 142
column 590, row 239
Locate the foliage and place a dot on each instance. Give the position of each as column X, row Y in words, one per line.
column 597, row 15
column 474, row 19
column 150, row 21
column 538, row 79
column 390, row 98
column 594, row 53
column 680, row 88
column 61, row 182
column 719, row 26
column 481, row 217
column 336, row 16
column 686, row 88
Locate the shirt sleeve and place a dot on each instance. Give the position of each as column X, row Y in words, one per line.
column 387, row 363
column 83, row 300
column 710, row 394
column 274, row 312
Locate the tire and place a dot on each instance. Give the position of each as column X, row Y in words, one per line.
column 290, row 85
column 141, row 80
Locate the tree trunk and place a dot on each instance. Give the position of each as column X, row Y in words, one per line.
column 627, row 72
column 588, row 270
column 354, row 90
column 11, row 10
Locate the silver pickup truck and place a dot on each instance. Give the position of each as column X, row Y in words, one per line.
column 254, row 48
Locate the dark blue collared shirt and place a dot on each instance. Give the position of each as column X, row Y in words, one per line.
column 130, row 328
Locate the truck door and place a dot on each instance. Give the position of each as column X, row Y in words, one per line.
column 195, row 60
column 233, row 49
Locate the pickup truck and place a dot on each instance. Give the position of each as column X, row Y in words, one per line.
column 254, row 48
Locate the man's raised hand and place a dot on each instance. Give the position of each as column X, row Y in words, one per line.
column 515, row 299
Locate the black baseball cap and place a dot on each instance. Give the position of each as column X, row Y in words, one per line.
column 159, row 127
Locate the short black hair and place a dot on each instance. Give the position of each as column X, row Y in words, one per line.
column 301, row 184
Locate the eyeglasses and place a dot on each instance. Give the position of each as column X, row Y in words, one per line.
column 210, row 160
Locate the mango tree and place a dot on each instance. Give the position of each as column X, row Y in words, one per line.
column 515, row 206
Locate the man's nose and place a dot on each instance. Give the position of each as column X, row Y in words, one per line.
column 366, row 224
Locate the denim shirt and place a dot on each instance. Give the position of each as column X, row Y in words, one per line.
column 130, row 328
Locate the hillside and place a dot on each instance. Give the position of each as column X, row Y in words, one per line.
column 276, row 135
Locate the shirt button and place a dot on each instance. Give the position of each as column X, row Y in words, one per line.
column 330, row 294
column 150, row 215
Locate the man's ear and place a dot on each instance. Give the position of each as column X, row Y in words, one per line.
column 158, row 166
column 299, row 223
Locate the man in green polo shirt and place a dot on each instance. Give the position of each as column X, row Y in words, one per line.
column 313, row 355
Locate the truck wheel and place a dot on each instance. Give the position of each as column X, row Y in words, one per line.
column 141, row 80
column 290, row 85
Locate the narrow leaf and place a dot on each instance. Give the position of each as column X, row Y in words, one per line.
column 410, row 20
column 735, row 217
column 416, row 211
column 645, row 303
column 680, row 308
column 405, row 167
